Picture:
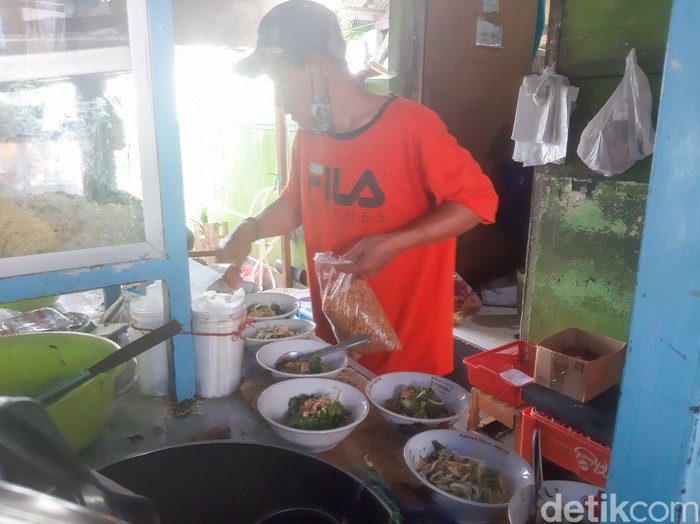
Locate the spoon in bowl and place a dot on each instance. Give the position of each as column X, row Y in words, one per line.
column 349, row 343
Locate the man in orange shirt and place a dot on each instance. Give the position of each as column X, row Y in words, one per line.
column 374, row 178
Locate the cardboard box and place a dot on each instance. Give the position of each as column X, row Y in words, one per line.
column 578, row 363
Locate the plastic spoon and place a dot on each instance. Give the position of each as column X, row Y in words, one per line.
column 349, row 343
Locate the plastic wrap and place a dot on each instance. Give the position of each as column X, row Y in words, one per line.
column 541, row 126
column 352, row 308
column 621, row 133
column 36, row 321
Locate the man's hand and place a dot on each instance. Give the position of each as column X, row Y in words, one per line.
column 236, row 251
column 369, row 255
column 374, row 252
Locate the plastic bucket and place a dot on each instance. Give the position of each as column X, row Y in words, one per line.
column 218, row 352
column 152, row 365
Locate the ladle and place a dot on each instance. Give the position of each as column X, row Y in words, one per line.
column 34, row 453
column 62, row 385
column 536, row 518
column 348, row 343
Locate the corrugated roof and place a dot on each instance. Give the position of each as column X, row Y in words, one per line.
column 368, row 10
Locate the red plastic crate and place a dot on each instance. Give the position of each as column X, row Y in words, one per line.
column 565, row 446
column 484, row 369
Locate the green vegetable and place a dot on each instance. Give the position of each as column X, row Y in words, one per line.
column 316, row 412
column 314, row 365
column 417, row 402
column 304, row 366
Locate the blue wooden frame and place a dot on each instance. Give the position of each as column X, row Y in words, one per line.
column 174, row 269
column 655, row 449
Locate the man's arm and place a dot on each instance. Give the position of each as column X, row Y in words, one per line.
column 276, row 219
column 445, row 221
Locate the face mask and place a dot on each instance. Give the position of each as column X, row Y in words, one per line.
column 321, row 112
column 320, row 109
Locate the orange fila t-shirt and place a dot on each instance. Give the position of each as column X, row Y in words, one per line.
column 375, row 180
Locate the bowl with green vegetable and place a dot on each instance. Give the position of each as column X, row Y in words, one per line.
column 329, row 366
column 411, row 401
column 470, row 476
column 315, row 414
column 270, row 306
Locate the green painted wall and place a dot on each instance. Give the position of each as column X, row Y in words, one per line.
column 585, row 229
column 585, row 239
column 240, row 163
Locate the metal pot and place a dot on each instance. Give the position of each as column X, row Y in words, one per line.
column 21, row 504
column 212, row 482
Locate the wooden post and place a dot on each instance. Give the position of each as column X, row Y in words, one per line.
column 281, row 133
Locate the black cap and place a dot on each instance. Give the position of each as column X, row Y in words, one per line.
column 293, row 31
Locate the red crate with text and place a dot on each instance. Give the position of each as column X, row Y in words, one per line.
column 566, row 447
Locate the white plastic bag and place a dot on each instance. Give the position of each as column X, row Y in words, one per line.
column 541, row 126
column 621, row 133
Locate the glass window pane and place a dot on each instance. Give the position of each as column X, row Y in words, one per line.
column 70, row 175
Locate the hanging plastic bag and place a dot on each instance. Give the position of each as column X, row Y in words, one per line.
column 541, row 125
column 352, row 308
column 621, row 133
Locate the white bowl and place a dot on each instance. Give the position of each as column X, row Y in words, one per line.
column 269, row 353
column 287, row 304
column 300, row 328
column 273, row 405
column 383, row 387
column 522, row 503
column 469, row 444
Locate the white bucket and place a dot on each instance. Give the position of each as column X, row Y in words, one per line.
column 152, row 364
column 219, row 356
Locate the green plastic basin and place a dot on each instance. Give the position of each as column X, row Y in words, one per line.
column 31, row 360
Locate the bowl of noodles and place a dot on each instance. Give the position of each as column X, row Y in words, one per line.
column 411, row 402
column 314, row 414
column 270, row 306
column 471, row 477
column 578, row 500
column 266, row 331
column 329, row 366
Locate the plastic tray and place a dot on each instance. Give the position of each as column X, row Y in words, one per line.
column 484, row 370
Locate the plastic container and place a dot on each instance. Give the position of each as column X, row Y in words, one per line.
column 151, row 366
column 216, row 320
column 566, row 447
column 484, row 370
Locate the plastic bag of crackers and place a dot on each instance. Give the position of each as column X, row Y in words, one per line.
column 352, row 308
column 467, row 301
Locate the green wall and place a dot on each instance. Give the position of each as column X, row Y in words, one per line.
column 585, row 229
column 585, row 244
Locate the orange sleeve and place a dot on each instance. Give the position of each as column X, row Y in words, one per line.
column 450, row 172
